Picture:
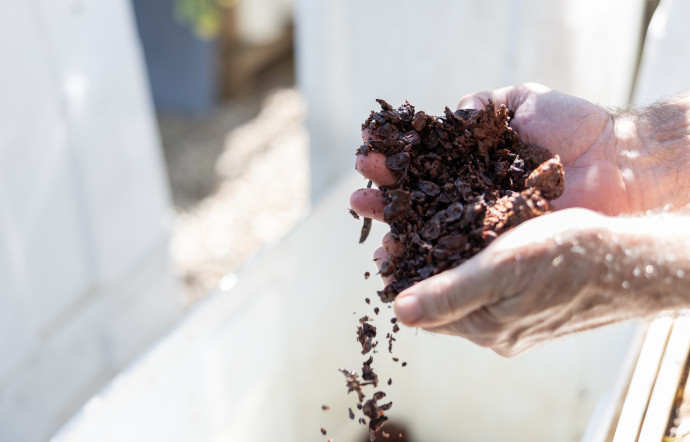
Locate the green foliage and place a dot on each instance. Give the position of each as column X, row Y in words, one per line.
column 202, row 16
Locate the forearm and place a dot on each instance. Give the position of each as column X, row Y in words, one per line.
column 653, row 147
column 645, row 263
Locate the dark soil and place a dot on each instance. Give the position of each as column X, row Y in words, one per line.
column 463, row 179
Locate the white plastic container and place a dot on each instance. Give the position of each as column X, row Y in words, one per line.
column 256, row 362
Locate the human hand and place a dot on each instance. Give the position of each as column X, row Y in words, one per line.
column 557, row 274
column 548, row 119
column 581, row 133
column 624, row 162
column 604, row 157
column 532, row 284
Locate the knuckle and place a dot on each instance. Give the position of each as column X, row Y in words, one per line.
column 442, row 296
column 512, row 344
column 532, row 86
column 486, row 340
column 506, row 352
column 462, row 101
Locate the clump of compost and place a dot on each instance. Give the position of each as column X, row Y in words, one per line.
column 462, row 179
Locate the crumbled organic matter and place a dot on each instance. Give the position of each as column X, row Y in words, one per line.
column 462, row 179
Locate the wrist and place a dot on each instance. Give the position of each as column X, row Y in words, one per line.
column 653, row 154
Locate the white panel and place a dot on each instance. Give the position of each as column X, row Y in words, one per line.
column 14, row 327
column 110, row 119
column 84, row 278
column 665, row 64
column 48, row 262
column 432, row 53
column 569, row 46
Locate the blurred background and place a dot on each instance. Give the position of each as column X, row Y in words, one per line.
column 176, row 257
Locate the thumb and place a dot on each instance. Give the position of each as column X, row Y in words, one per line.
column 473, row 101
column 442, row 298
column 479, row 100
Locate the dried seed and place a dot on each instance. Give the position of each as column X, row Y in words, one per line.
column 398, row 161
column 366, row 228
column 419, row 121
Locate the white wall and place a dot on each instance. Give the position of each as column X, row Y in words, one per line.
column 432, row 53
column 84, row 280
column 665, row 64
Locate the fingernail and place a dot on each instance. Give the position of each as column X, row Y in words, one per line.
column 408, row 309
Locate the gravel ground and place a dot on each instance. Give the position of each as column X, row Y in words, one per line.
column 240, row 180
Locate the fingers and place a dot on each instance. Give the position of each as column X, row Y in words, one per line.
column 373, row 166
column 368, row 203
column 381, row 256
column 478, row 326
column 511, row 96
column 392, row 246
column 475, row 101
column 503, row 339
column 443, row 298
column 480, row 99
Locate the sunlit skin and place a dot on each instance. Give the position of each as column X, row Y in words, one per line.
column 555, row 275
